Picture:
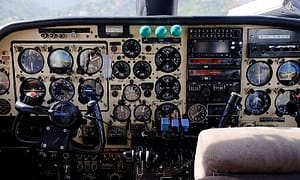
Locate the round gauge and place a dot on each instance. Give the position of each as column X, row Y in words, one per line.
column 5, row 107
column 31, row 61
column 121, row 113
column 166, row 110
column 142, row 113
column 62, row 90
column 259, row 73
column 167, row 88
column 33, row 85
column 60, row 61
column 131, row 48
column 132, row 92
column 90, row 61
column 4, row 83
column 167, row 59
column 121, row 69
column 282, row 99
column 288, row 73
column 197, row 112
column 142, row 69
column 90, row 89
column 257, row 103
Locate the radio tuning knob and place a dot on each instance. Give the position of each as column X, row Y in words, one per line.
column 206, row 92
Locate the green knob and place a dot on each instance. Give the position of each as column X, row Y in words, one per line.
column 176, row 30
column 145, row 31
column 161, row 31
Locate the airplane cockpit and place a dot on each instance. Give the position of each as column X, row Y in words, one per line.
column 119, row 98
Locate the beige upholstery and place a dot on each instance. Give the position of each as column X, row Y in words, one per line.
column 248, row 151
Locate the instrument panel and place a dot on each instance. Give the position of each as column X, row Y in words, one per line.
column 158, row 83
column 138, row 78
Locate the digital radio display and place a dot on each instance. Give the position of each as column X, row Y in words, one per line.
column 216, row 46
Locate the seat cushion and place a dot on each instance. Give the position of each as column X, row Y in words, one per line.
column 251, row 150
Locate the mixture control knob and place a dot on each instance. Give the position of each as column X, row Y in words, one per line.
column 176, row 30
column 145, row 31
column 161, row 31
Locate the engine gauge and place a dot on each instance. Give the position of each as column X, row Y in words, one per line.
column 166, row 110
column 257, row 102
column 142, row 69
column 60, row 61
column 131, row 48
column 5, row 107
column 90, row 89
column 121, row 113
column 90, row 61
column 167, row 59
column 31, row 61
column 259, row 73
column 167, row 88
column 288, row 73
column 197, row 113
column 4, row 83
column 62, row 89
column 132, row 92
column 33, row 85
column 281, row 101
column 142, row 113
column 121, row 69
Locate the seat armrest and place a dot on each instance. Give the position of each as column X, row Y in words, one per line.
column 247, row 150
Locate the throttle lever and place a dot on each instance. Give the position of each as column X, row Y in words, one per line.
column 233, row 104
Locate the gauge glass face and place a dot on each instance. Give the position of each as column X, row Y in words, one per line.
column 131, row 48
column 62, row 90
column 33, row 85
column 259, row 73
column 90, row 61
column 197, row 112
column 5, row 107
column 142, row 69
column 142, row 113
column 31, row 61
column 167, row 88
column 282, row 99
column 121, row 113
column 60, row 59
column 121, row 69
column 288, row 73
column 132, row 92
column 4, row 83
column 166, row 110
column 258, row 102
column 167, row 59
column 90, row 89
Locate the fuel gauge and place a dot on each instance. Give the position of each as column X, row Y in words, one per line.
column 142, row 113
column 132, row 92
column 121, row 113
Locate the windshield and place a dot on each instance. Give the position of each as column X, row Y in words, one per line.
column 15, row 10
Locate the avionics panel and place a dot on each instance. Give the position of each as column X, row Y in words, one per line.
column 214, row 71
